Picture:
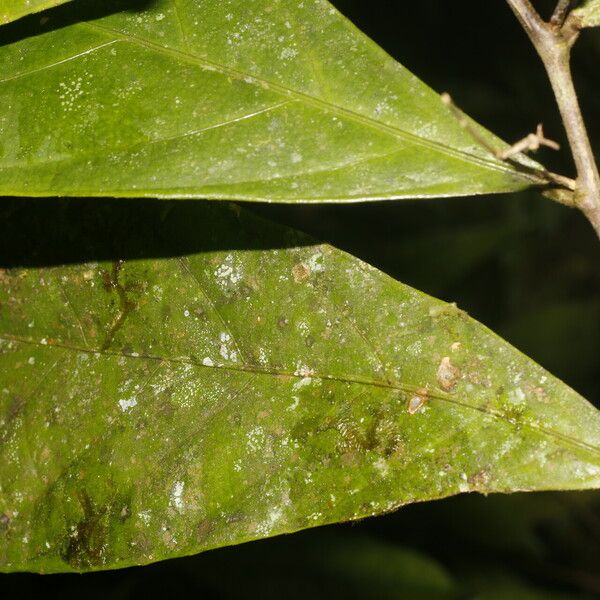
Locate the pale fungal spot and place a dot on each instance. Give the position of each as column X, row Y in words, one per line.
column 256, row 438
column 31, row 360
column 517, row 397
column 126, row 405
column 69, row 92
column 315, row 262
column 176, row 500
column 447, row 374
column 463, row 485
column 415, row 348
column 417, row 401
column 455, row 346
column 207, row 362
column 381, row 108
column 288, row 53
column 229, row 272
column 186, row 313
column 263, row 359
column 382, row 467
column 302, row 382
column 158, row 292
column 144, row 516
column 446, row 310
column 274, row 516
column 304, row 328
column 519, row 394
column 303, row 370
column 225, row 351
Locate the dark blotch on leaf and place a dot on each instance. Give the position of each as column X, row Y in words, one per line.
column 86, row 544
column 4, row 522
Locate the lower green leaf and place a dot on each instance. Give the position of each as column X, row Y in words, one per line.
column 159, row 407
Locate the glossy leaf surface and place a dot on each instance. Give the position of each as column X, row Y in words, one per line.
column 272, row 100
column 15, row 9
column 160, row 407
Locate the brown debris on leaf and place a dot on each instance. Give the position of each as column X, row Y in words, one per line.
column 447, row 374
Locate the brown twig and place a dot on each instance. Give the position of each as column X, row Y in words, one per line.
column 529, row 143
column 560, row 13
column 553, row 43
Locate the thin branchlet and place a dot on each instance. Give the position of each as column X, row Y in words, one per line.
column 553, row 42
column 560, row 13
column 530, row 143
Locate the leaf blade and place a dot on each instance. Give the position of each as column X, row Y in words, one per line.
column 161, row 407
column 15, row 9
column 243, row 107
column 588, row 14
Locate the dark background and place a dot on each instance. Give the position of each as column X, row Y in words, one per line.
column 525, row 267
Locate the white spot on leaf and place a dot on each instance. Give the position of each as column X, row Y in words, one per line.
column 176, row 500
column 126, row 405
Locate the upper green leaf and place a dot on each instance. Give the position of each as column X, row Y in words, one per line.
column 588, row 13
column 272, row 100
column 15, row 9
column 160, row 407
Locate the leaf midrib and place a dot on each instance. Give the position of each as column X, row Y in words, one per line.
column 564, row 439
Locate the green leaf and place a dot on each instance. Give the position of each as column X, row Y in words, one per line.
column 15, row 9
column 588, row 14
column 159, row 407
column 272, row 100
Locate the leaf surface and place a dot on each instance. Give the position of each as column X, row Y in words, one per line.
column 159, row 407
column 15, row 9
column 273, row 100
column 588, row 13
